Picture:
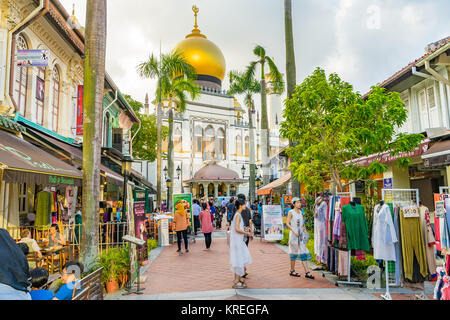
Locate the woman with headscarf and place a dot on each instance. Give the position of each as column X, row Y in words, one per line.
column 14, row 270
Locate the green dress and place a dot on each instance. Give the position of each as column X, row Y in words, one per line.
column 356, row 225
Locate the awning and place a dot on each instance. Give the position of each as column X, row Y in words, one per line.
column 267, row 189
column 438, row 155
column 23, row 162
column 112, row 176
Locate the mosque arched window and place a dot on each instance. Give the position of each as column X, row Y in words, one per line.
column 177, row 140
column 221, row 146
column 246, row 148
column 198, row 136
column 40, row 95
column 54, row 113
column 238, row 145
column 106, row 129
column 21, row 79
column 208, row 141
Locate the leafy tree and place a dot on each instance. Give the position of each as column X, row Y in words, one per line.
column 144, row 144
column 248, row 86
column 333, row 125
column 176, row 78
column 277, row 88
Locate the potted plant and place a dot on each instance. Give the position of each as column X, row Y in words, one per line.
column 109, row 261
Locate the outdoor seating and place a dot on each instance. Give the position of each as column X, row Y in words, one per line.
column 91, row 287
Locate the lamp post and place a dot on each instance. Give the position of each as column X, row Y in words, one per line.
column 165, row 172
column 168, row 185
column 243, row 171
column 126, row 169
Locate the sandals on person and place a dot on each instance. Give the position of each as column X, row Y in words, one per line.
column 309, row 276
column 239, row 285
column 294, row 274
column 245, row 275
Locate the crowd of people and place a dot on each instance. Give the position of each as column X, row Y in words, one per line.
column 19, row 282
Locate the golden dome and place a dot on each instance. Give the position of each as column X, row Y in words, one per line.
column 202, row 54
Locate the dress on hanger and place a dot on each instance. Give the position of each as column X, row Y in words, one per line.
column 429, row 238
column 383, row 234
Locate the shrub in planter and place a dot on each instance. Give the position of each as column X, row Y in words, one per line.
column 115, row 264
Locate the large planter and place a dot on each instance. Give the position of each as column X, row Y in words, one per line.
column 112, row 286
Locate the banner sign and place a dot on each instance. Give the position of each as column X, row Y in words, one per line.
column 32, row 58
column 272, row 224
column 440, row 209
column 140, row 228
column 80, row 91
column 186, row 200
column 387, row 183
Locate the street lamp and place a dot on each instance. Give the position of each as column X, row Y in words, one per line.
column 243, row 171
column 258, row 182
column 178, row 172
column 126, row 169
column 165, row 172
column 168, row 185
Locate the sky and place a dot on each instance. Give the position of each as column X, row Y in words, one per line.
column 364, row 41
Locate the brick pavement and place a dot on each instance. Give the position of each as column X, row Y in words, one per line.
column 200, row 270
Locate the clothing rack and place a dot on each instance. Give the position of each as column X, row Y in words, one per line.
column 349, row 281
column 401, row 197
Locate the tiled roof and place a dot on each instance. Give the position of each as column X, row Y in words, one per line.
column 10, row 125
column 437, row 45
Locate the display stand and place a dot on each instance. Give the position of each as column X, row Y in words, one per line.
column 348, row 282
column 405, row 197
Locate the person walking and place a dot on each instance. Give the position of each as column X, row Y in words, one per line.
column 298, row 236
column 207, row 227
column 246, row 217
column 240, row 256
column 196, row 211
column 230, row 207
column 182, row 222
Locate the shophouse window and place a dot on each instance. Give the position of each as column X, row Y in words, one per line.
column 198, row 135
column 106, row 129
column 54, row 114
column 40, row 95
column 429, row 114
column 21, row 79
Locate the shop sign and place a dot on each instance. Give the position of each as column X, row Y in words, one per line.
column 386, row 157
column 140, row 227
column 80, row 91
column 438, row 161
column 272, row 228
column 32, row 58
column 387, row 183
column 61, row 180
column 440, row 209
column 287, row 198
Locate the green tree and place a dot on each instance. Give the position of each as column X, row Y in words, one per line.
column 144, row 144
column 94, row 78
column 277, row 87
column 291, row 71
column 176, row 77
column 248, row 86
column 332, row 125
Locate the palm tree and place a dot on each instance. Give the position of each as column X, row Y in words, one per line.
column 277, row 88
column 176, row 77
column 290, row 71
column 248, row 86
column 94, row 77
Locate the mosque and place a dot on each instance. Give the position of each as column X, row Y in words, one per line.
column 211, row 138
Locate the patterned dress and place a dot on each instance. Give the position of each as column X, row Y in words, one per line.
column 297, row 248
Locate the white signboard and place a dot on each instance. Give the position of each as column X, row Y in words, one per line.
column 272, row 228
column 163, row 232
column 32, row 58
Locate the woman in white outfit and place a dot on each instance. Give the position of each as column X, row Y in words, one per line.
column 297, row 238
column 239, row 253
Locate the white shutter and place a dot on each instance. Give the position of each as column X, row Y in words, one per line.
column 3, row 45
column 423, row 111
column 434, row 116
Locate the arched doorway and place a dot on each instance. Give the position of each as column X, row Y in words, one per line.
column 222, row 190
column 210, row 190
column 233, row 190
column 200, row 191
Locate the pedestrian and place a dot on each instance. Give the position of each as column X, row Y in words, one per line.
column 14, row 270
column 196, row 208
column 239, row 254
column 212, row 209
column 230, row 207
column 182, row 222
column 207, row 227
column 298, row 237
column 246, row 217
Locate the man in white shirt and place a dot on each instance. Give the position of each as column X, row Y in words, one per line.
column 31, row 243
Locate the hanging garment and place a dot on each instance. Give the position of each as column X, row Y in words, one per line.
column 437, row 233
column 43, row 209
column 343, row 236
column 359, row 254
column 445, row 235
column 342, row 263
column 446, row 289
column 337, row 225
column 322, row 228
column 356, row 225
column 398, row 256
column 428, row 238
column 383, row 234
column 413, row 253
column 439, row 284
